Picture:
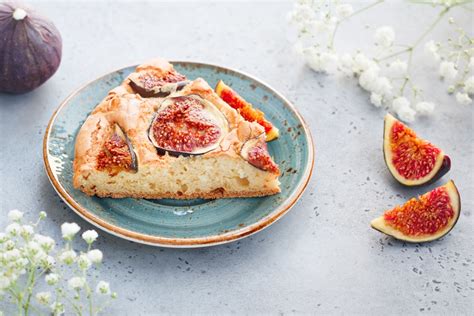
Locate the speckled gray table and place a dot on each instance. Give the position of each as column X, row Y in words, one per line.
column 322, row 257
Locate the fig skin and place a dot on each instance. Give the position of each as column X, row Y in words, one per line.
column 455, row 201
column 145, row 93
column 30, row 49
column 134, row 165
column 441, row 168
column 162, row 89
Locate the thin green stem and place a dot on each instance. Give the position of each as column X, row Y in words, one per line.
column 74, row 306
column 419, row 39
column 331, row 43
column 407, row 78
column 431, row 27
column 395, row 54
column 88, row 290
column 29, row 287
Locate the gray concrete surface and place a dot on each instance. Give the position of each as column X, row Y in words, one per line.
column 322, row 257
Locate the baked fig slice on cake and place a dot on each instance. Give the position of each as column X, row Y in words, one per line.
column 427, row 218
column 156, row 82
column 411, row 160
column 246, row 109
column 160, row 135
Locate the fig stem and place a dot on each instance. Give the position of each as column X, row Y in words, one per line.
column 19, row 14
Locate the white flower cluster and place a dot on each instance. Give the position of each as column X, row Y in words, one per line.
column 26, row 255
column 455, row 60
column 387, row 79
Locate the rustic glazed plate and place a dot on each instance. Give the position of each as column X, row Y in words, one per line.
column 178, row 223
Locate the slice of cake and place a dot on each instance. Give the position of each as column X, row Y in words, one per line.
column 159, row 135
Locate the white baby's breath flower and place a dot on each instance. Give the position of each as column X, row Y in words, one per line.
column 51, row 279
column 318, row 28
column 300, row 14
column 13, row 229
column 33, row 248
column 102, row 288
column 330, row 61
column 469, row 85
column 368, row 79
column 9, row 245
column 4, row 282
column 40, row 258
column 345, row 65
column 90, row 236
column 463, row 98
column 95, row 255
column 68, row 257
column 320, row 61
column 431, row 49
column 48, row 262
column 22, row 263
column 447, row 70
column 400, row 102
column 15, row 215
column 3, row 237
column 344, row 10
column 397, row 68
column 57, row 308
column 43, row 297
column 69, row 230
column 376, row 99
column 76, row 283
column 401, row 106
column 26, row 231
column 84, row 262
column 47, row 243
column 346, row 61
column 42, row 215
column 362, row 63
column 327, row 18
column 313, row 58
column 383, row 86
column 471, row 63
column 424, row 108
column 11, row 255
column 407, row 114
column 384, row 36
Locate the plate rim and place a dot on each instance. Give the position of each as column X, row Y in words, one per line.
column 195, row 242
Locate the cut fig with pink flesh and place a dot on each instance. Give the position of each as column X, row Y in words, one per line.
column 430, row 217
column 118, row 153
column 255, row 152
column 149, row 85
column 411, row 160
column 187, row 125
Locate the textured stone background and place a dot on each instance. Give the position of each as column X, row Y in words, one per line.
column 322, row 257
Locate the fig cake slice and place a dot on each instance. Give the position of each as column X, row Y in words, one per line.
column 161, row 135
column 427, row 218
column 411, row 160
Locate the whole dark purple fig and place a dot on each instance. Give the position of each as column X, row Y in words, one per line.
column 30, row 48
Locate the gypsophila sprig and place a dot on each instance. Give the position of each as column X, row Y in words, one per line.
column 90, row 236
column 385, row 70
column 28, row 258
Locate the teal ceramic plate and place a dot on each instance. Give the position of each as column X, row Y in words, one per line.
column 178, row 223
